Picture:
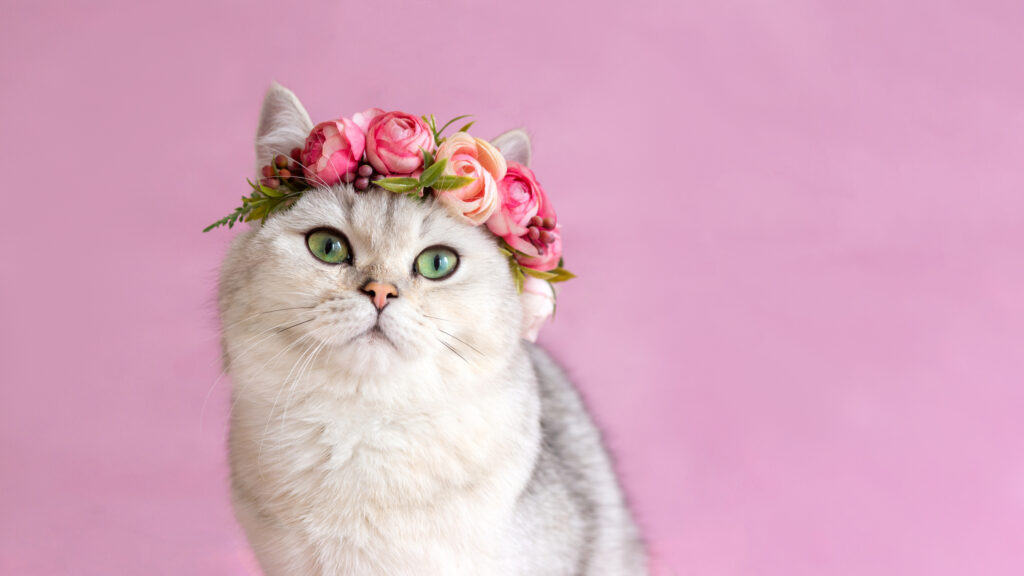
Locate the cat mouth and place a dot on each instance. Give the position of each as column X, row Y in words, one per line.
column 376, row 334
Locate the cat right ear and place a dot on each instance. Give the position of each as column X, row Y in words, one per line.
column 284, row 125
column 515, row 146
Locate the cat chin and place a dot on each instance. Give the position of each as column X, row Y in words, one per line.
column 372, row 350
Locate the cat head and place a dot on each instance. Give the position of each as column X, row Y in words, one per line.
column 372, row 278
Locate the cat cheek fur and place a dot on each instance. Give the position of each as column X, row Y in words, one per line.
column 440, row 445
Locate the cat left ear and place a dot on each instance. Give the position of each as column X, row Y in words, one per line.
column 284, row 124
column 515, row 146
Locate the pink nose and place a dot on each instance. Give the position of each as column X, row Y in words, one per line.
column 379, row 292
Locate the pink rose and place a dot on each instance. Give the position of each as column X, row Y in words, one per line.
column 333, row 150
column 395, row 141
column 362, row 119
column 538, row 302
column 477, row 159
column 526, row 220
column 522, row 199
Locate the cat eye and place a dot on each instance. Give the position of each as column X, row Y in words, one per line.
column 328, row 246
column 436, row 262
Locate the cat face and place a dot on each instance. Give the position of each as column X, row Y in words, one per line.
column 375, row 279
column 374, row 282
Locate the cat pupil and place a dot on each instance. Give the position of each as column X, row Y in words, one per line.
column 328, row 247
column 437, row 261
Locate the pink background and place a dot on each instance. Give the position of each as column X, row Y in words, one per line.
column 798, row 229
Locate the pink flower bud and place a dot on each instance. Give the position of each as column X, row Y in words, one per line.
column 524, row 210
column 395, row 141
column 333, row 149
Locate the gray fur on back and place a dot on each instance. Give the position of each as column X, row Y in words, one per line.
column 573, row 500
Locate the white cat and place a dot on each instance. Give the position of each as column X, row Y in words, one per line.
column 387, row 423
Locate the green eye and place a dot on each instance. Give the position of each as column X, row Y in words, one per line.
column 437, row 262
column 328, row 246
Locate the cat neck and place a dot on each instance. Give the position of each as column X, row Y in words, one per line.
column 412, row 438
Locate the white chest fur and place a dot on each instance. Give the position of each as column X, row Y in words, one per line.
column 351, row 481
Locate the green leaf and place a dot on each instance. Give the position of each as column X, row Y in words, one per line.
column 561, row 275
column 399, row 185
column 430, row 175
column 448, row 182
column 452, row 121
column 271, row 192
column 550, row 276
column 428, row 158
column 467, row 126
column 252, row 185
column 223, row 221
column 257, row 213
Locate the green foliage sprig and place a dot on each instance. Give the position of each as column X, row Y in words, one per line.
column 259, row 205
column 520, row 272
column 431, row 178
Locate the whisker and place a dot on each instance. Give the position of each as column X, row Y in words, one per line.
column 277, row 397
column 473, row 348
column 436, row 318
column 250, row 344
column 294, row 325
column 279, row 353
column 292, row 308
column 454, row 351
column 258, row 314
column 306, row 369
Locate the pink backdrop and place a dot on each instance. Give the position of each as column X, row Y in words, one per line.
column 798, row 229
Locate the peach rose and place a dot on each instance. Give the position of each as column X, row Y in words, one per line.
column 477, row 159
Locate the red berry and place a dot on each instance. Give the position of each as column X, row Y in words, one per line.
column 362, row 183
column 549, row 223
column 365, row 170
column 536, row 221
column 534, row 233
column 284, row 174
column 546, row 237
column 271, row 182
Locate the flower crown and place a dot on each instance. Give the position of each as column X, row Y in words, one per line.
column 406, row 154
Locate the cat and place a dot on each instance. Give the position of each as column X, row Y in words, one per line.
column 406, row 433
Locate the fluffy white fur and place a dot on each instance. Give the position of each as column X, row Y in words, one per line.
column 426, row 440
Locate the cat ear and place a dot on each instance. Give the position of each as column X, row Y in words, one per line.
column 284, row 124
column 515, row 146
